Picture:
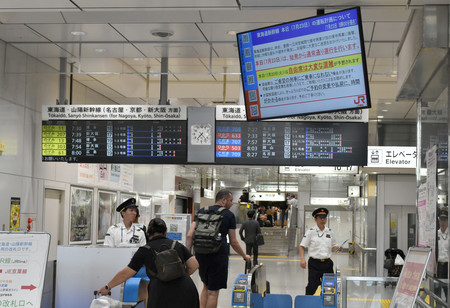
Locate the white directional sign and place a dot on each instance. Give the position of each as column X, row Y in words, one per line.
column 391, row 157
column 23, row 260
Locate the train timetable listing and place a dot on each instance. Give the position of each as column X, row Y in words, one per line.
column 252, row 143
column 114, row 141
column 329, row 144
column 291, row 143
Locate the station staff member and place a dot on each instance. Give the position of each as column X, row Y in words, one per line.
column 320, row 242
column 442, row 266
column 125, row 233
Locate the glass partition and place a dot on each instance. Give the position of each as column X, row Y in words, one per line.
column 432, row 184
column 373, row 292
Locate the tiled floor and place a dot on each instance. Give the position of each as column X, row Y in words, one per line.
column 283, row 272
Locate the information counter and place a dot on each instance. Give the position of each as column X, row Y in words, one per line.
column 81, row 270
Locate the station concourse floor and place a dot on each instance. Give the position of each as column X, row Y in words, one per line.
column 283, row 272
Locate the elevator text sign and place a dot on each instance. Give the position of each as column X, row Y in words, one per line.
column 391, row 157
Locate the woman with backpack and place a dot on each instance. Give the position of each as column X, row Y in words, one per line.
column 176, row 292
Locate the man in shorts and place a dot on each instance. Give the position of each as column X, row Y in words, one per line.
column 213, row 268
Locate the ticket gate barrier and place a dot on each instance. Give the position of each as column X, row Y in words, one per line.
column 247, row 284
column 329, row 290
column 330, row 294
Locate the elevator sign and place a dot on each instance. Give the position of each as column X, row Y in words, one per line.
column 391, row 157
column 23, row 260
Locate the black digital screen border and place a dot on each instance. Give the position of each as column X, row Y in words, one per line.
column 182, row 159
column 358, row 129
column 327, row 110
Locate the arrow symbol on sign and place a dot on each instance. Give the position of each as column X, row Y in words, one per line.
column 30, row 287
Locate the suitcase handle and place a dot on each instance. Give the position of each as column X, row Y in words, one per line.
column 98, row 294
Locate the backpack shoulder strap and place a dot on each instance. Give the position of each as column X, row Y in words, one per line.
column 154, row 253
column 220, row 210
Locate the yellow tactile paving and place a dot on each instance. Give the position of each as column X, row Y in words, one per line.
column 384, row 302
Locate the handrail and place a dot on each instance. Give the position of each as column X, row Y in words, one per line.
column 434, row 297
column 363, row 251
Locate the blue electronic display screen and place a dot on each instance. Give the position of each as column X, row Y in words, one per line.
column 308, row 66
column 102, row 141
column 291, row 143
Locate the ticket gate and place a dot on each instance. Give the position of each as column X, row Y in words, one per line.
column 330, row 293
column 249, row 284
column 251, row 290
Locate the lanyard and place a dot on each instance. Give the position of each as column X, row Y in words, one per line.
column 121, row 232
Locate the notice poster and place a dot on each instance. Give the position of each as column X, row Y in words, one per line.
column 430, row 227
column 410, row 278
column 23, row 260
column 14, row 222
column 422, row 212
column 177, row 226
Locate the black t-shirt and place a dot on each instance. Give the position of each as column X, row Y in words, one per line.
column 284, row 205
column 146, row 257
column 244, row 198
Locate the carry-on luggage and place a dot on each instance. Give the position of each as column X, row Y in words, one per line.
column 389, row 264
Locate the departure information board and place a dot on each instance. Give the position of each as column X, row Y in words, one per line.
column 103, row 141
column 291, row 143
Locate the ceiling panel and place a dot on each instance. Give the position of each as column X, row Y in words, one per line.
column 101, row 65
column 31, row 17
column 19, row 33
column 388, row 31
column 119, row 41
column 155, row 4
column 94, row 50
column 175, row 50
column 93, row 32
column 372, row 13
column 41, row 51
column 143, row 32
column 124, row 85
column 27, row 5
column 101, row 88
column 132, row 16
column 266, row 16
column 382, row 50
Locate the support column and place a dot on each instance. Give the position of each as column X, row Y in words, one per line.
column 62, row 82
column 164, row 81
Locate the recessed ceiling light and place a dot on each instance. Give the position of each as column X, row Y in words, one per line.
column 385, row 110
column 231, row 32
column 100, row 50
column 138, row 59
column 388, row 103
column 380, row 117
column 162, row 33
column 78, row 33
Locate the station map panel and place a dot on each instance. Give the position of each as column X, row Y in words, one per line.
column 103, row 141
column 291, row 143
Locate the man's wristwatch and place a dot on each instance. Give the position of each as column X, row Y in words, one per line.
column 107, row 287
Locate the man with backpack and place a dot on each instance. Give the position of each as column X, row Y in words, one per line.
column 204, row 237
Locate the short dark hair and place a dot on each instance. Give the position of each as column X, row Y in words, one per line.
column 223, row 193
column 250, row 214
column 156, row 225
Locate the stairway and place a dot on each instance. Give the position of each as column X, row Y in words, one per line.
column 276, row 242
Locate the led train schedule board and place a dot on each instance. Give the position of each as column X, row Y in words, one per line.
column 291, row 143
column 102, row 141
column 308, row 66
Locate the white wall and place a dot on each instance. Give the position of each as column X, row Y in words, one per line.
column 22, row 173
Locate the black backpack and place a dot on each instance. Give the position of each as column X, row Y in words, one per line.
column 168, row 263
column 207, row 237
